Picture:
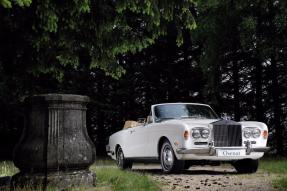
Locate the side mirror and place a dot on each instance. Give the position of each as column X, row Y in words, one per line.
column 148, row 120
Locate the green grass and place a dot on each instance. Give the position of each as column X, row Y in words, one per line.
column 278, row 167
column 280, row 183
column 124, row 180
column 7, row 168
column 275, row 165
column 109, row 178
column 105, row 162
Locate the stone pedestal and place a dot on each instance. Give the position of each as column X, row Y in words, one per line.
column 55, row 149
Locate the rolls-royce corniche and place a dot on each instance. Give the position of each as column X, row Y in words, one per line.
column 178, row 135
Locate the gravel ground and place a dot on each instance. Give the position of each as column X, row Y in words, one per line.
column 209, row 178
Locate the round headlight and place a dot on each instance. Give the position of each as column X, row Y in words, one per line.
column 205, row 133
column 256, row 133
column 196, row 133
column 247, row 133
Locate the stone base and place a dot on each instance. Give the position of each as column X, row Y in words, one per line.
column 59, row 180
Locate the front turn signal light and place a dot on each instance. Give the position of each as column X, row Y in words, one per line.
column 186, row 134
column 265, row 134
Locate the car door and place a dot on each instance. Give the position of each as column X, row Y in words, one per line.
column 136, row 143
column 152, row 137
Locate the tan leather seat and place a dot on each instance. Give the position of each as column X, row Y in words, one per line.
column 130, row 124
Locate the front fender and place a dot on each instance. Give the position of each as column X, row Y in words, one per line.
column 171, row 132
column 261, row 141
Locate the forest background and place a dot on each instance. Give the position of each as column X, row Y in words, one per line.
column 129, row 54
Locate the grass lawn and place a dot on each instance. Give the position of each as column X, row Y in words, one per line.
column 108, row 178
column 278, row 167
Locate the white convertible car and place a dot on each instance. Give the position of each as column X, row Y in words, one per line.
column 179, row 135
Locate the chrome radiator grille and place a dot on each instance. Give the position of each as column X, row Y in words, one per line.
column 227, row 134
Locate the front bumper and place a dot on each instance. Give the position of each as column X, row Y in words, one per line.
column 211, row 151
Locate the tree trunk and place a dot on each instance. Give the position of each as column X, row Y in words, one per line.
column 236, row 93
column 258, row 88
column 258, row 69
column 276, row 108
column 235, row 63
column 101, row 131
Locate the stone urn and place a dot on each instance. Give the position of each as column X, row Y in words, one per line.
column 55, row 149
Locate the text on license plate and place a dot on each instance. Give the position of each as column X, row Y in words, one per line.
column 230, row 153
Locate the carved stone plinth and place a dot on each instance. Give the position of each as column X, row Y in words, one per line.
column 55, row 149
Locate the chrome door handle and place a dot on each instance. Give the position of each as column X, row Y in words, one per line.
column 132, row 131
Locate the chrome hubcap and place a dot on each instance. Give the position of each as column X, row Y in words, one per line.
column 120, row 158
column 167, row 157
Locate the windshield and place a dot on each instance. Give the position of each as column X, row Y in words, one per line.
column 180, row 111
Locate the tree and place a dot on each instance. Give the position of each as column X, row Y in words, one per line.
column 53, row 35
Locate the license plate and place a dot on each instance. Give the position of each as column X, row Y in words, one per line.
column 231, row 153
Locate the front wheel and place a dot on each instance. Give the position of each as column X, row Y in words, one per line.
column 246, row 165
column 122, row 163
column 168, row 160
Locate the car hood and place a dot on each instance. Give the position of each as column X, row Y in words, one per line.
column 191, row 122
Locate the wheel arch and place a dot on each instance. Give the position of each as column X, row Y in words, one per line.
column 160, row 143
column 116, row 148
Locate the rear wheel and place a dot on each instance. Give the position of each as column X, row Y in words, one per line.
column 123, row 163
column 168, row 160
column 246, row 165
